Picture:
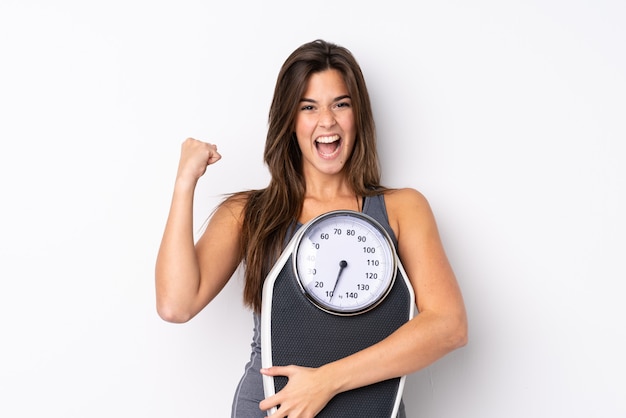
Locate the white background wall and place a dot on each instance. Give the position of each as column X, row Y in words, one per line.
column 507, row 115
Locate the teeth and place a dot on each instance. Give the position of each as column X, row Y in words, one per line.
column 327, row 139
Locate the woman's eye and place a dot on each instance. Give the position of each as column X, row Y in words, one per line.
column 343, row 104
column 307, row 107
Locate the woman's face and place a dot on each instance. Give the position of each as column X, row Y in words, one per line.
column 325, row 125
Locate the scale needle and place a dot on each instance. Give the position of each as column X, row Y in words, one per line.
column 342, row 265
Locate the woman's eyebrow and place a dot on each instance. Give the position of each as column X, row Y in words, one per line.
column 336, row 99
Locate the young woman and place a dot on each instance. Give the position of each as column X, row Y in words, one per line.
column 321, row 153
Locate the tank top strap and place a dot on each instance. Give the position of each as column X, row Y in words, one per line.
column 374, row 206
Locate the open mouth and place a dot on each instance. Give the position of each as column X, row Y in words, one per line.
column 327, row 146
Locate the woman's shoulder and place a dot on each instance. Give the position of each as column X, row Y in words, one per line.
column 235, row 204
column 406, row 206
column 403, row 197
column 244, row 203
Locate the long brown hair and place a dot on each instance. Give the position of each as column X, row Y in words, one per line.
column 269, row 212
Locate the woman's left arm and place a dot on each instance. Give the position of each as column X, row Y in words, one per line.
column 439, row 328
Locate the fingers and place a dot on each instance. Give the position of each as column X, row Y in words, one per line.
column 269, row 403
column 195, row 157
column 214, row 156
column 304, row 396
column 208, row 150
column 276, row 371
column 274, row 400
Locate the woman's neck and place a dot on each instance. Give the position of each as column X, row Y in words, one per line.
column 327, row 200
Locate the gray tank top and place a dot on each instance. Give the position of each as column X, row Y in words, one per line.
column 250, row 388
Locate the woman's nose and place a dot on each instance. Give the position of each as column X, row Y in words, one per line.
column 327, row 118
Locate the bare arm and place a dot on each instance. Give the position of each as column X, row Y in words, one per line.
column 440, row 326
column 188, row 276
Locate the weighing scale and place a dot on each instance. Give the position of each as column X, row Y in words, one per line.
column 338, row 287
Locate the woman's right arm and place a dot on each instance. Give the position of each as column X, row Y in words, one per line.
column 188, row 276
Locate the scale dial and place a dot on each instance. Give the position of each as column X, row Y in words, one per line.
column 345, row 262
